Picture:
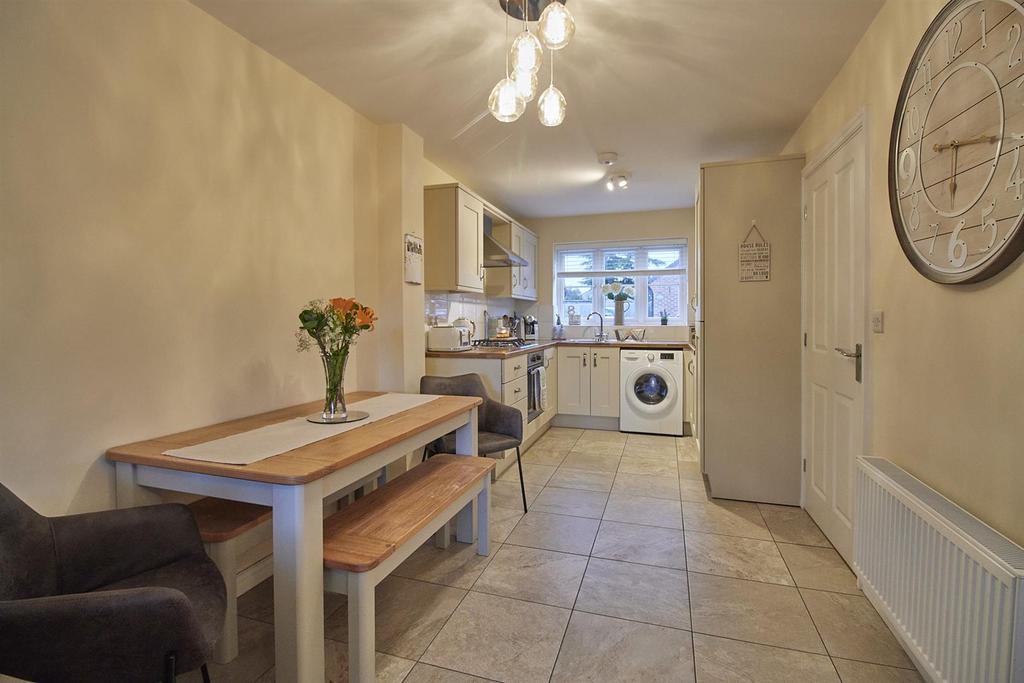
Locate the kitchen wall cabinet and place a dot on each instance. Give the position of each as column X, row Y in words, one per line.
column 453, row 236
column 516, row 282
column 588, row 381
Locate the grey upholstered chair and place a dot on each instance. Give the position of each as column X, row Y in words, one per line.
column 121, row 595
column 501, row 426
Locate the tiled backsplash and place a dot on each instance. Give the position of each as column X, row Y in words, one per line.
column 442, row 307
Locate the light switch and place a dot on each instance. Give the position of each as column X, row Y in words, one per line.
column 877, row 322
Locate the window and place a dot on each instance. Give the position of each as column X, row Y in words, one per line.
column 655, row 270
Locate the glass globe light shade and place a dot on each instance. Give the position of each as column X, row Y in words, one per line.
column 556, row 26
column 505, row 102
column 526, row 84
column 526, row 53
column 551, row 107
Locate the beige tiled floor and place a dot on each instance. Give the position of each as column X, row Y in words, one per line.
column 623, row 570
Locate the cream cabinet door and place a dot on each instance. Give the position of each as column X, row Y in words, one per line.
column 528, row 273
column 470, row 243
column 517, row 271
column 690, row 391
column 604, row 381
column 574, row 380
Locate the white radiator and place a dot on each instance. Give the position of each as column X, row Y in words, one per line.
column 950, row 587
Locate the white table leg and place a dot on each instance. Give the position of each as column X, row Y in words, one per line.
column 466, row 435
column 466, row 444
column 483, row 507
column 298, row 583
column 223, row 555
column 361, row 616
column 124, row 484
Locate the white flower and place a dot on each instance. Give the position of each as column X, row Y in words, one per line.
column 616, row 287
column 630, row 292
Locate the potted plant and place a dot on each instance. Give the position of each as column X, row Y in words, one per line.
column 334, row 325
column 620, row 294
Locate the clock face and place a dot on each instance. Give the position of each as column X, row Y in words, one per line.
column 956, row 172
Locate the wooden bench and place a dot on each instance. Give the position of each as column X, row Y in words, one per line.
column 238, row 538
column 366, row 541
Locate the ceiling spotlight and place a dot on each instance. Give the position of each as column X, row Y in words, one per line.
column 618, row 181
column 607, row 158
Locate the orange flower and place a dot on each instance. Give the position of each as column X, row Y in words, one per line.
column 343, row 306
column 365, row 317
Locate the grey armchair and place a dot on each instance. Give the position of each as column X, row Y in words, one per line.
column 121, row 595
column 501, row 426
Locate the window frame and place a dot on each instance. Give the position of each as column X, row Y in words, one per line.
column 640, row 275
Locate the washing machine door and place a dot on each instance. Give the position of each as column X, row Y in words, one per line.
column 651, row 390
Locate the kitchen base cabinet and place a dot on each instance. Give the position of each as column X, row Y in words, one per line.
column 588, row 381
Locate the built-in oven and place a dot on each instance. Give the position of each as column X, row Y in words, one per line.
column 534, row 385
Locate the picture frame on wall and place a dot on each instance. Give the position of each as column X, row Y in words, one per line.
column 413, row 259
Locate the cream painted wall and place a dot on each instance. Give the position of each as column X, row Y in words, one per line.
column 170, row 195
column 948, row 373
column 435, row 175
column 600, row 228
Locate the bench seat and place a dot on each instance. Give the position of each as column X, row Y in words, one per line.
column 364, row 534
column 366, row 540
column 238, row 538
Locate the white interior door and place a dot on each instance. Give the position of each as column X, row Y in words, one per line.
column 835, row 316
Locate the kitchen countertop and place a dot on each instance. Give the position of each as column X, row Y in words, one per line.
column 478, row 352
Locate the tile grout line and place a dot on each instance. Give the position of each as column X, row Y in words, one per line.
column 802, row 601
column 689, row 597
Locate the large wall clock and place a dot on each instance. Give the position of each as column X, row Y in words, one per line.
column 956, row 168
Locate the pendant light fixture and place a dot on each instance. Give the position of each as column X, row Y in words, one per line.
column 556, row 26
column 526, row 84
column 506, row 103
column 508, row 98
column 551, row 105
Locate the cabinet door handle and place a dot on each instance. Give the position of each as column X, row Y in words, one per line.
column 518, row 391
column 517, row 367
column 595, row 360
column 584, row 360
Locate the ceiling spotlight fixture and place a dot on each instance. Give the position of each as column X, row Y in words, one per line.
column 556, row 26
column 607, row 158
column 619, row 181
column 509, row 97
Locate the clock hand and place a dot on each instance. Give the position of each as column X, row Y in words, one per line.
column 952, row 176
column 981, row 139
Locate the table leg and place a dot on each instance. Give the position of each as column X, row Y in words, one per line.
column 483, row 506
column 125, row 487
column 298, row 583
column 361, row 630
column 466, row 444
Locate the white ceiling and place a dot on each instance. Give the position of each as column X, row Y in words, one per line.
column 665, row 83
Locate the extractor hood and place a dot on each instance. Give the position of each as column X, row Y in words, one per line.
column 497, row 256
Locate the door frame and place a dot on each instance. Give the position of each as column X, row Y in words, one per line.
column 857, row 125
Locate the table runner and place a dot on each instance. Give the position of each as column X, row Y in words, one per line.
column 255, row 445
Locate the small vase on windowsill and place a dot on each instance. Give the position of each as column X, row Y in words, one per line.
column 620, row 312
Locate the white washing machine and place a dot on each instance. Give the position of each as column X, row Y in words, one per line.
column 651, row 398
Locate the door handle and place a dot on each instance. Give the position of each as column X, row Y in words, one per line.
column 857, row 355
column 595, row 360
column 584, row 360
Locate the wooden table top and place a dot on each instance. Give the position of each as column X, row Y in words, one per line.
column 301, row 465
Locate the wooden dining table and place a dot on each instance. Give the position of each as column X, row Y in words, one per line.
column 295, row 485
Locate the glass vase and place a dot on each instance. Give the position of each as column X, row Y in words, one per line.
column 335, row 410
